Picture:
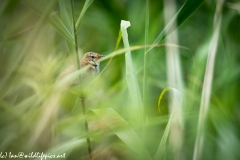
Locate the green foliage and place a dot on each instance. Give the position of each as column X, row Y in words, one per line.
column 131, row 75
column 39, row 110
column 52, row 18
column 123, row 130
column 160, row 154
column 85, row 7
column 182, row 15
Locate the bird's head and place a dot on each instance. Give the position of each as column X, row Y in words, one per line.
column 92, row 57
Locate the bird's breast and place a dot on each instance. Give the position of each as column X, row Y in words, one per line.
column 93, row 69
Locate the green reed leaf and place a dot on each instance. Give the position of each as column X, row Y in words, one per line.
column 182, row 15
column 39, row 7
column 123, row 130
column 175, row 100
column 131, row 75
column 85, row 7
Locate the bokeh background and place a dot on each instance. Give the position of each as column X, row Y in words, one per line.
column 40, row 114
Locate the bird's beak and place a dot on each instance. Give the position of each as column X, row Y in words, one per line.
column 101, row 56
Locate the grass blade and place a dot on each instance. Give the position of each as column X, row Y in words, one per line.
column 174, row 77
column 39, row 8
column 65, row 11
column 207, row 84
column 160, row 98
column 130, row 73
column 114, row 121
column 183, row 14
column 176, row 100
column 145, row 53
column 85, row 7
column 160, row 154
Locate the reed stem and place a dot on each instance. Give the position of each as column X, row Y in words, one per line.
column 82, row 97
column 144, row 68
column 145, row 56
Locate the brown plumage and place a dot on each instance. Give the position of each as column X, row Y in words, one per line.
column 90, row 59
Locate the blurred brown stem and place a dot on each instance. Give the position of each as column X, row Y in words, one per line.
column 86, row 125
column 81, row 94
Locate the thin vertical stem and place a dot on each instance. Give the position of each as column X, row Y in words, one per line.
column 208, row 78
column 81, row 94
column 75, row 38
column 144, row 69
column 86, row 126
column 145, row 54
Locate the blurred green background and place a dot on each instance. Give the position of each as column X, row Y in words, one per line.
column 38, row 114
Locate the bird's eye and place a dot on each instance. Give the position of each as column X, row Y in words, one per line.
column 92, row 56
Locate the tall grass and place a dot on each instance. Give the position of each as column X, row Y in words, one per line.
column 207, row 84
column 174, row 79
column 196, row 74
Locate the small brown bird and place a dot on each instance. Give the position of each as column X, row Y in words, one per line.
column 90, row 59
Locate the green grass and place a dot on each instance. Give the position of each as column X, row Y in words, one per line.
column 193, row 53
